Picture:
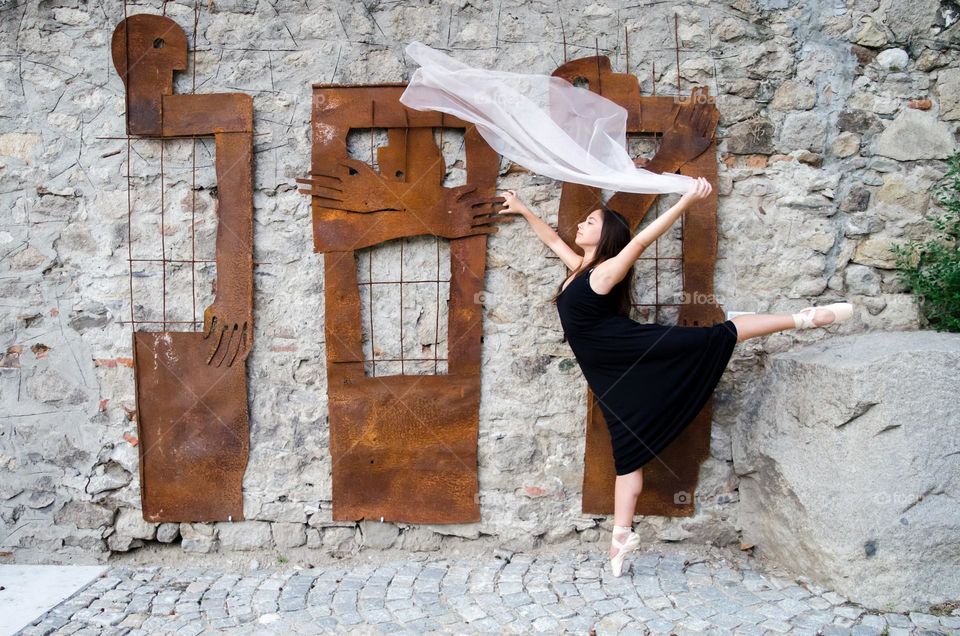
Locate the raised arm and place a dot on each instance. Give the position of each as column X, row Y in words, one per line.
column 512, row 204
column 611, row 271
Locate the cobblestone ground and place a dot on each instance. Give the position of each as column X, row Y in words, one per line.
column 519, row 593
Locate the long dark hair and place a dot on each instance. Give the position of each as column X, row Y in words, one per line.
column 614, row 236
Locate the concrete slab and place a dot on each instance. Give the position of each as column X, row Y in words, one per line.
column 31, row 590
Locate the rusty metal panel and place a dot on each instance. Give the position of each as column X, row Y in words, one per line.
column 157, row 46
column 192, row 414
column 228, row 322
column 403, row 448
column 406, row 449
column 687, row 145
column 194, row 432
column 185, row 115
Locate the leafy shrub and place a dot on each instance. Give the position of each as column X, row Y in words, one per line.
column 931, row 268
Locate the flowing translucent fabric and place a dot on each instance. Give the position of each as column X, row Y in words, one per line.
column 542, row 122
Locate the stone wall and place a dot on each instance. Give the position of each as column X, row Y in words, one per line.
column 836, row 120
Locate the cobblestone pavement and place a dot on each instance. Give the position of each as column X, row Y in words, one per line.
column 570, row 592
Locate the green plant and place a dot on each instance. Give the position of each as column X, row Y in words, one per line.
column 282, row 559
column 931, row 268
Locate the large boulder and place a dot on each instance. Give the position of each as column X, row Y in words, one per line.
column 849, row 466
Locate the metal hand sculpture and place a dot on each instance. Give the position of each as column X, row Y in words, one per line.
column 422, row 205
column 693, row 124
column 192, row 414
column 687, row 146
column 453, row 216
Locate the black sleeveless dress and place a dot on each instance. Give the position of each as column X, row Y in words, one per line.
column 650, row 380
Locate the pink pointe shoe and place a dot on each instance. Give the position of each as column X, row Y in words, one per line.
column 804, row 318
column 623, row 547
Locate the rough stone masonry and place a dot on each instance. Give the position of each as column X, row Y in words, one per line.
column 837, row 118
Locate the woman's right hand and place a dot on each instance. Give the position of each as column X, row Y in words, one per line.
column 701, row 189
column 512, row 203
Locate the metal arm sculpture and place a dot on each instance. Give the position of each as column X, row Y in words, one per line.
column 192, row 413
column 408, row 185
column 687, row 146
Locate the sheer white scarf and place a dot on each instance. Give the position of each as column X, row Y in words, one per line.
column 542, row 122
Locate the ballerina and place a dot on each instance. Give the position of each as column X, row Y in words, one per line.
column 650, row 380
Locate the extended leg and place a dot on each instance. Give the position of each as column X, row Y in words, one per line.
column 626, row 491
column 755, row 325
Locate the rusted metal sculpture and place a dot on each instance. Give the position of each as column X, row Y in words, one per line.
column 404, row 448
column 687, row 146
column 191, row 391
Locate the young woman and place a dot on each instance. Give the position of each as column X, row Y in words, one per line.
column 650, row 380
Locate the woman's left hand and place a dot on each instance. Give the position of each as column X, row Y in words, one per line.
column 701, row 189
column 512, row 204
